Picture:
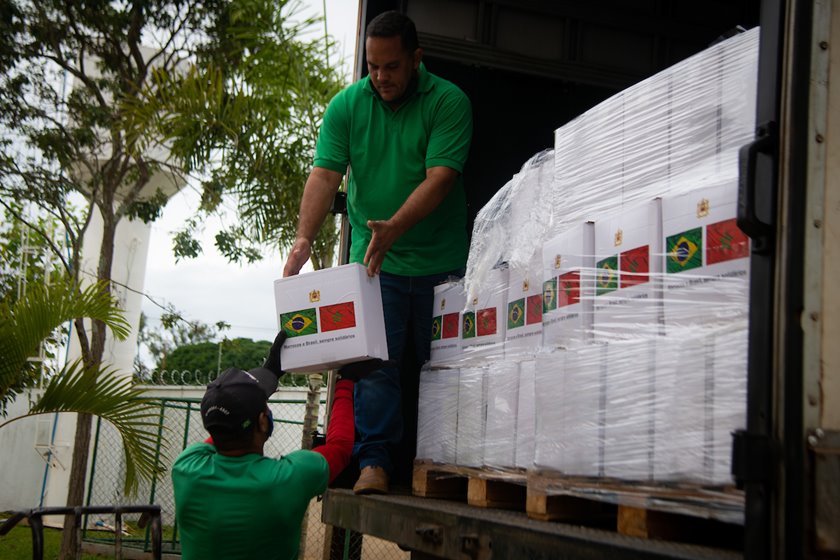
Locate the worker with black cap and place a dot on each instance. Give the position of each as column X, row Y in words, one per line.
column 233, row 502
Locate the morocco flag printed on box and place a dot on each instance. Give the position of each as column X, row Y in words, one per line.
column 450, row 325
column 338, row 316
column 569, row 289
column 533, row 309
column 726, row 242
column 486, row 321
column 299, row 323
column 635, row 266
column 685, row 250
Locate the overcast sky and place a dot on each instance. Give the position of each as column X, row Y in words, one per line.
column 208, row 288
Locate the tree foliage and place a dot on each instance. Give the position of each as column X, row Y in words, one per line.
column 23, row 325
column 113, row 103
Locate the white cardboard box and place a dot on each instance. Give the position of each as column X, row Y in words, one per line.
column 472, row 416
column 437, row 418
column 568, row 287
column 628, row 246
column 523, row 331
column 483, row 321
column 706, row 270
column 332, row 316
column 449, row 301
column 525, row 416
column 502, row 402
column 628, row 409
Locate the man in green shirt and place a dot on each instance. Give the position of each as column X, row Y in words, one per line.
column 231, row 501
column 405, row 134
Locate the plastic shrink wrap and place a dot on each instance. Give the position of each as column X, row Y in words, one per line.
column 628, row 226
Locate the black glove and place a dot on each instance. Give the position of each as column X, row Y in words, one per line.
column 360, row 370
column 272, row 363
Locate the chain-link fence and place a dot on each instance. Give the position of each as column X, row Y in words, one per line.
column 180, row 423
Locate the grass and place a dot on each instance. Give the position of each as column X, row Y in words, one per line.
column 17, row 545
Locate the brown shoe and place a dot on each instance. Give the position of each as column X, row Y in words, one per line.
column 372, row 480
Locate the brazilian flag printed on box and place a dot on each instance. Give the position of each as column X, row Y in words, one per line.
column 549, row 295
column 469, row 325
column 607, row 275
column 685, row 250
column 299, row 323
column 437, row 328
column 516, row 314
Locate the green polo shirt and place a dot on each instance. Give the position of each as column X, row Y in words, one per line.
column 240, row 508
column 388, row 153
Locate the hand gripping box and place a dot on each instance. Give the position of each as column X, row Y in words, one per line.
column 449, row 300
column 332, row 316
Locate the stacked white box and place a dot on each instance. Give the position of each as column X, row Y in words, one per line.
column 502, row 402
column 729, row 396
column 628, row 246
column 449, row 301
column 332, row 316
column 706, row 277
column 472, row 416
column 706, row 293
column 701, row 396
column 568, row 287
column 483, row 320
column 524, row 323
column 437, row 415
column 550, row 438
column 629, row 408
column 570, row 419
column 526, row 415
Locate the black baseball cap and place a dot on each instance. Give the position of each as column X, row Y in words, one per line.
column 233, row 400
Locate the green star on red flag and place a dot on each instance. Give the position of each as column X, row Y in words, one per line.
column 450, row 325
column 533, row 309
column 635, row 266
column 338, row 316
column 486, row 321
column 726, row 242
column 569, row 290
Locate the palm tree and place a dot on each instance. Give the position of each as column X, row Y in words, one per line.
column 97, row 391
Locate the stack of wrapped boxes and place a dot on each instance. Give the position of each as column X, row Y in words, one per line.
column 603, row 319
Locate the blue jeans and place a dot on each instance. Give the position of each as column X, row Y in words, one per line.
column 407, row 305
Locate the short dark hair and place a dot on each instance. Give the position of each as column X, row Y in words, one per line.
column 394, row 24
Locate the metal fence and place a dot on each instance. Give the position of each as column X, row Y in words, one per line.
column 180, row 423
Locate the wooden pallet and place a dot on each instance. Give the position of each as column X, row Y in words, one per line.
column 479, row 487
column 684, row 513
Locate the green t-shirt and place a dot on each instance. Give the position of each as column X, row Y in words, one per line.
column 388, row 153
column 244, row 507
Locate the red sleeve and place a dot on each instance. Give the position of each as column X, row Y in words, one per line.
column 340, row 431
column 209, row 440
